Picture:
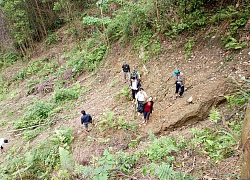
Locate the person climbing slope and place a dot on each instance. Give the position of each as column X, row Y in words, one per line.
column 126, row 71
column 141, row 96
column 148, row 109
column 179, row 83
column 135, row 74
column 86, row 119
column 134, row 85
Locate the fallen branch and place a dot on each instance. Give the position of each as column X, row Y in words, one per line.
column 119, row 173
column 192, row 166
column 26, row 128
column 237, row 110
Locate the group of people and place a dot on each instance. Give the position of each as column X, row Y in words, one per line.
column 144, row 103
column 139, row 96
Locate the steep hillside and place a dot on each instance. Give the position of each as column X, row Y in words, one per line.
column 43, row 98
column 209, row 77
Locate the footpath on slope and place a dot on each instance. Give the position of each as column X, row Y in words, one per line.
column 205, row 83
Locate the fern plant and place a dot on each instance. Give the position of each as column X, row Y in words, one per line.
column 214, row 115
column 101, row 169
column 165, row 171
column 160, row 149
column 126, row 92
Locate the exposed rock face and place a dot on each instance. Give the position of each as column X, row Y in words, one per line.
column 182, row 113
column 245, row 171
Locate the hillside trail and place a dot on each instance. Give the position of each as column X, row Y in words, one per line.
column 208, row 79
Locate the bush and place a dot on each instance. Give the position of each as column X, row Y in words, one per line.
column 161, row 148
column 40, row 160
column 38, row 113
column 63, row 95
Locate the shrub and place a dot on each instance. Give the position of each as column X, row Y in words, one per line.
column 161, row 148
column 38, row 162
column 63, row 95
column 38, row 113
column 126, row 162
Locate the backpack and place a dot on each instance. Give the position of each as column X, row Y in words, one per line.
column 133, row 76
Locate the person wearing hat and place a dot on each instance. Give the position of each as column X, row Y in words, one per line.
column 86, row 119
column 126, row 70
column 179, row 83
column 135, row 74
column 2, row 141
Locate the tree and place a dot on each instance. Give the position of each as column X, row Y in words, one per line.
column 245, row 141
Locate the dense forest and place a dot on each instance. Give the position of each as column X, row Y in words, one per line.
column 48, row 50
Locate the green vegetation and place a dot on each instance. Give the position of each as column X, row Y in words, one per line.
column 109, row 120
column 62, row 95
column 143, row 25
column 39, row 161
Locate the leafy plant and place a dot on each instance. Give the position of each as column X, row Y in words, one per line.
column 237, row 99
column 217, row 144
column 165, row 171
column 37, row 114
column 63, row 95
column 188, row 47
column 161, row 148
column 126, row 162
column 52, row 39
column 39, row 161
column 107, row 121
column 8, row 58
column 134, row 142
column 232, row 43
column 66, row 159
column 89, row 58
column 214, row 115
column 102, row 168
column 126, row 92
column 126, row 125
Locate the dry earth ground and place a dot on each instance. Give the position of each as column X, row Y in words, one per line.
column 208, row 79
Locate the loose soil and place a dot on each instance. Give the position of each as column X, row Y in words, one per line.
column 209, row 76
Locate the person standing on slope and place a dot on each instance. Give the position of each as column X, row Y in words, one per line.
column 179, row 83
column 126, row 71
column 141, row 96
column 134, row 85
column 85, row 120
column 135, row 74
column 148, row 109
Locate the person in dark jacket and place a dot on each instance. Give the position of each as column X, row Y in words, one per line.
column 148, row 109
column 126, row 70
column 86, row 119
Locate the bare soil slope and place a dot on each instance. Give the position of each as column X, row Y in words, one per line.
column 208, row 78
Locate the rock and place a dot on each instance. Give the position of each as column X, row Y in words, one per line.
column 190, row 100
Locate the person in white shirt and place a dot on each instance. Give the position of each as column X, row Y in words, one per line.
column 2, row 141
column 141, row 96
column 134, row 85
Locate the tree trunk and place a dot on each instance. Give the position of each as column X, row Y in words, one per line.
column 41, row 17
column 245, row 141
